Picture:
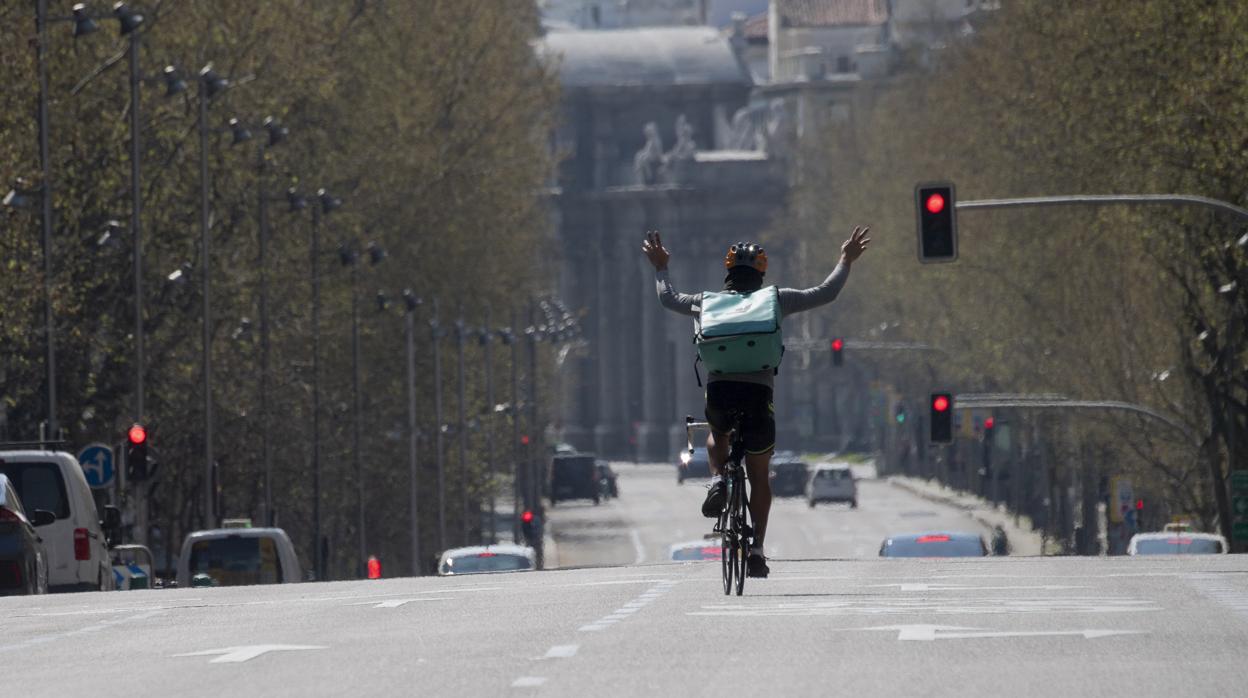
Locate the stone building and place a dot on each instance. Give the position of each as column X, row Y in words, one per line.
column 647, row 118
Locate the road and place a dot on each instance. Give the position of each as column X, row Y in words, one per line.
column 821, row 625
column 653, row 512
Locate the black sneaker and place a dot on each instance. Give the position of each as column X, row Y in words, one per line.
column 715, row 497
column 756, row 566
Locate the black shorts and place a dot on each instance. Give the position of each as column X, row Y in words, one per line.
column 758, row 415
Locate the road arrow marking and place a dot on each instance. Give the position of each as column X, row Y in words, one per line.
column 395, row 603
column 245, row 653
column 929, row 633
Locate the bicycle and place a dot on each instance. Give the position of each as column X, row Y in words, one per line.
column 733, row 525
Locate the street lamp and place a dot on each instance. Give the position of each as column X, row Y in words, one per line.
column 210, row 85
column 326, row 203
column 349, row 258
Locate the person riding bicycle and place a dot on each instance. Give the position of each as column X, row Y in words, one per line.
column 750, row 394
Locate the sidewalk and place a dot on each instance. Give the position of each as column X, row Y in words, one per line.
column 1023, row 540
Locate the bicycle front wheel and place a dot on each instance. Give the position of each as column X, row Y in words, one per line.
column 727, row 550
column 740, row 541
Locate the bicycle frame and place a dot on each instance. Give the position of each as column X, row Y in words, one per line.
column 733, row 524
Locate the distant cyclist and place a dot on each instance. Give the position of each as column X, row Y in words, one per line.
column 748, row 393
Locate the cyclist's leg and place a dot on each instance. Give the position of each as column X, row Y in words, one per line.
column 758, row 465
column 717, row 447
column 759, row 433
column 719, row 405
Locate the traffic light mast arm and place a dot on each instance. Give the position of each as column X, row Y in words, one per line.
column 1106, row 199
column 1003, row 400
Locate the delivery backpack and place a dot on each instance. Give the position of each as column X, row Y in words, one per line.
column 739, row 332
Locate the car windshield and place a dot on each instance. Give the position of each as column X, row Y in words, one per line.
column 485, row 562
column 832, row 474
column 39, row 486
column 933, row 546
column 705, row 552
column 1178, row 546
column 237, row 560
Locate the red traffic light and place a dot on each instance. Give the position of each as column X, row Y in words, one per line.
column 137, row 434
column 935, row 203
column 989, row 422
column 838, row 344
column 1139, row 505
column 524, row 440
column 527, row 517
column 940, row 403
column 374, row 567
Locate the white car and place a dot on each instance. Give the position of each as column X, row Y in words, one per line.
column 487, row 559
column 238, row 557
column 830, row 482
column 1177, row 543
column 77, row 548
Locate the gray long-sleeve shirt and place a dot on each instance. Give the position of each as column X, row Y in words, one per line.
column 792, row 300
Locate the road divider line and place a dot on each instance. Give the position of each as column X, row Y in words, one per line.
column 561, row 651
column 528, row 682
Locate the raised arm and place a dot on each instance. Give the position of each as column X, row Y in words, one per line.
column 683, row 303
column 796, row 300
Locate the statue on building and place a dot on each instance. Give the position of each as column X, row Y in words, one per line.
column 677, row 160
column 762, row 127
column 649, row 160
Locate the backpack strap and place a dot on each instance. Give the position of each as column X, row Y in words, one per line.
column 696, row 373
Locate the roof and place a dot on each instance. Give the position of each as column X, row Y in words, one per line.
column 505, row 548
column 651, row 56
column 831, row 13
column 954, row 535
column 1166, row 535
column 241, row 532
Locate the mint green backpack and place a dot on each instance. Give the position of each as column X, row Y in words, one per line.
column 740, row 332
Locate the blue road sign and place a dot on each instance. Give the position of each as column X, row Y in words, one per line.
column 97, row 465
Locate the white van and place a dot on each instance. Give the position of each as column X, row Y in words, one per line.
column 238, row 557
column 77, row 549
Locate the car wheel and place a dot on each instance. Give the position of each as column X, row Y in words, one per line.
column 680, row 479
column 596, row 500
column 853, row 504
column 812, row 503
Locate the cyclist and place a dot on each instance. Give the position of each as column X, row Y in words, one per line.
column 748, row 393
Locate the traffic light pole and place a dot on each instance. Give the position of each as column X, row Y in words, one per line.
column 488, row 350
column 1105, row 200
column 1022, row 401
column 317, row 549
column 439, row 444
column 463, row 429
column 409, row 326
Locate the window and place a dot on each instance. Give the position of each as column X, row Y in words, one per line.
column 842, row 64
column 237, row 560
column 39, row 486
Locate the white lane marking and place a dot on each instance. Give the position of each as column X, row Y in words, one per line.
column 528, row 682
column 954, row 587
column 561, row 651
column 892, row 605
column 626, row 610
column 640, row 549
column 235, row 655
column 395, row 603
column 101, row 625
column 931, row 633
column 590, row 628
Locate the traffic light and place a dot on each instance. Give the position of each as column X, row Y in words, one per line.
column 528, row 528
column 899, row 413
column 941, row 418
column 989, row 425
column 136, row 452
column 938, row 225
column 374, row 567
column 838, row 356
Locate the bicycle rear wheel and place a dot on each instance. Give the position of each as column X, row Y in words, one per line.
column 727, row 548
column 740, row 544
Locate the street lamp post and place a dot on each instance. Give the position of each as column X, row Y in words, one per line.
column 439, row 442
column 325, row 204
column 411, row 303
column 463, row 429
column 209, row 85
column 276, row 134
column 488, row 352
column 129, row 23
column 45, row 198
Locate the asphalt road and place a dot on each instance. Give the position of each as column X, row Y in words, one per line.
column 653, row 512
column 1010, row 626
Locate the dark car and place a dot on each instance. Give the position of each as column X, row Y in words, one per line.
column 692, row 465
column 934, row 544
column 23, row 559
column 788, row 478
column 574, row 476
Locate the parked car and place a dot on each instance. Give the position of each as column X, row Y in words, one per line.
column 487, row 559
column 832, row 483
column 1177, row 543
column 238, row 557
column 694, row 550
column 23, row 559
column 692, row 465
column 934, row 544
column 76, row 542
column 573, row 477
column 788, row 477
